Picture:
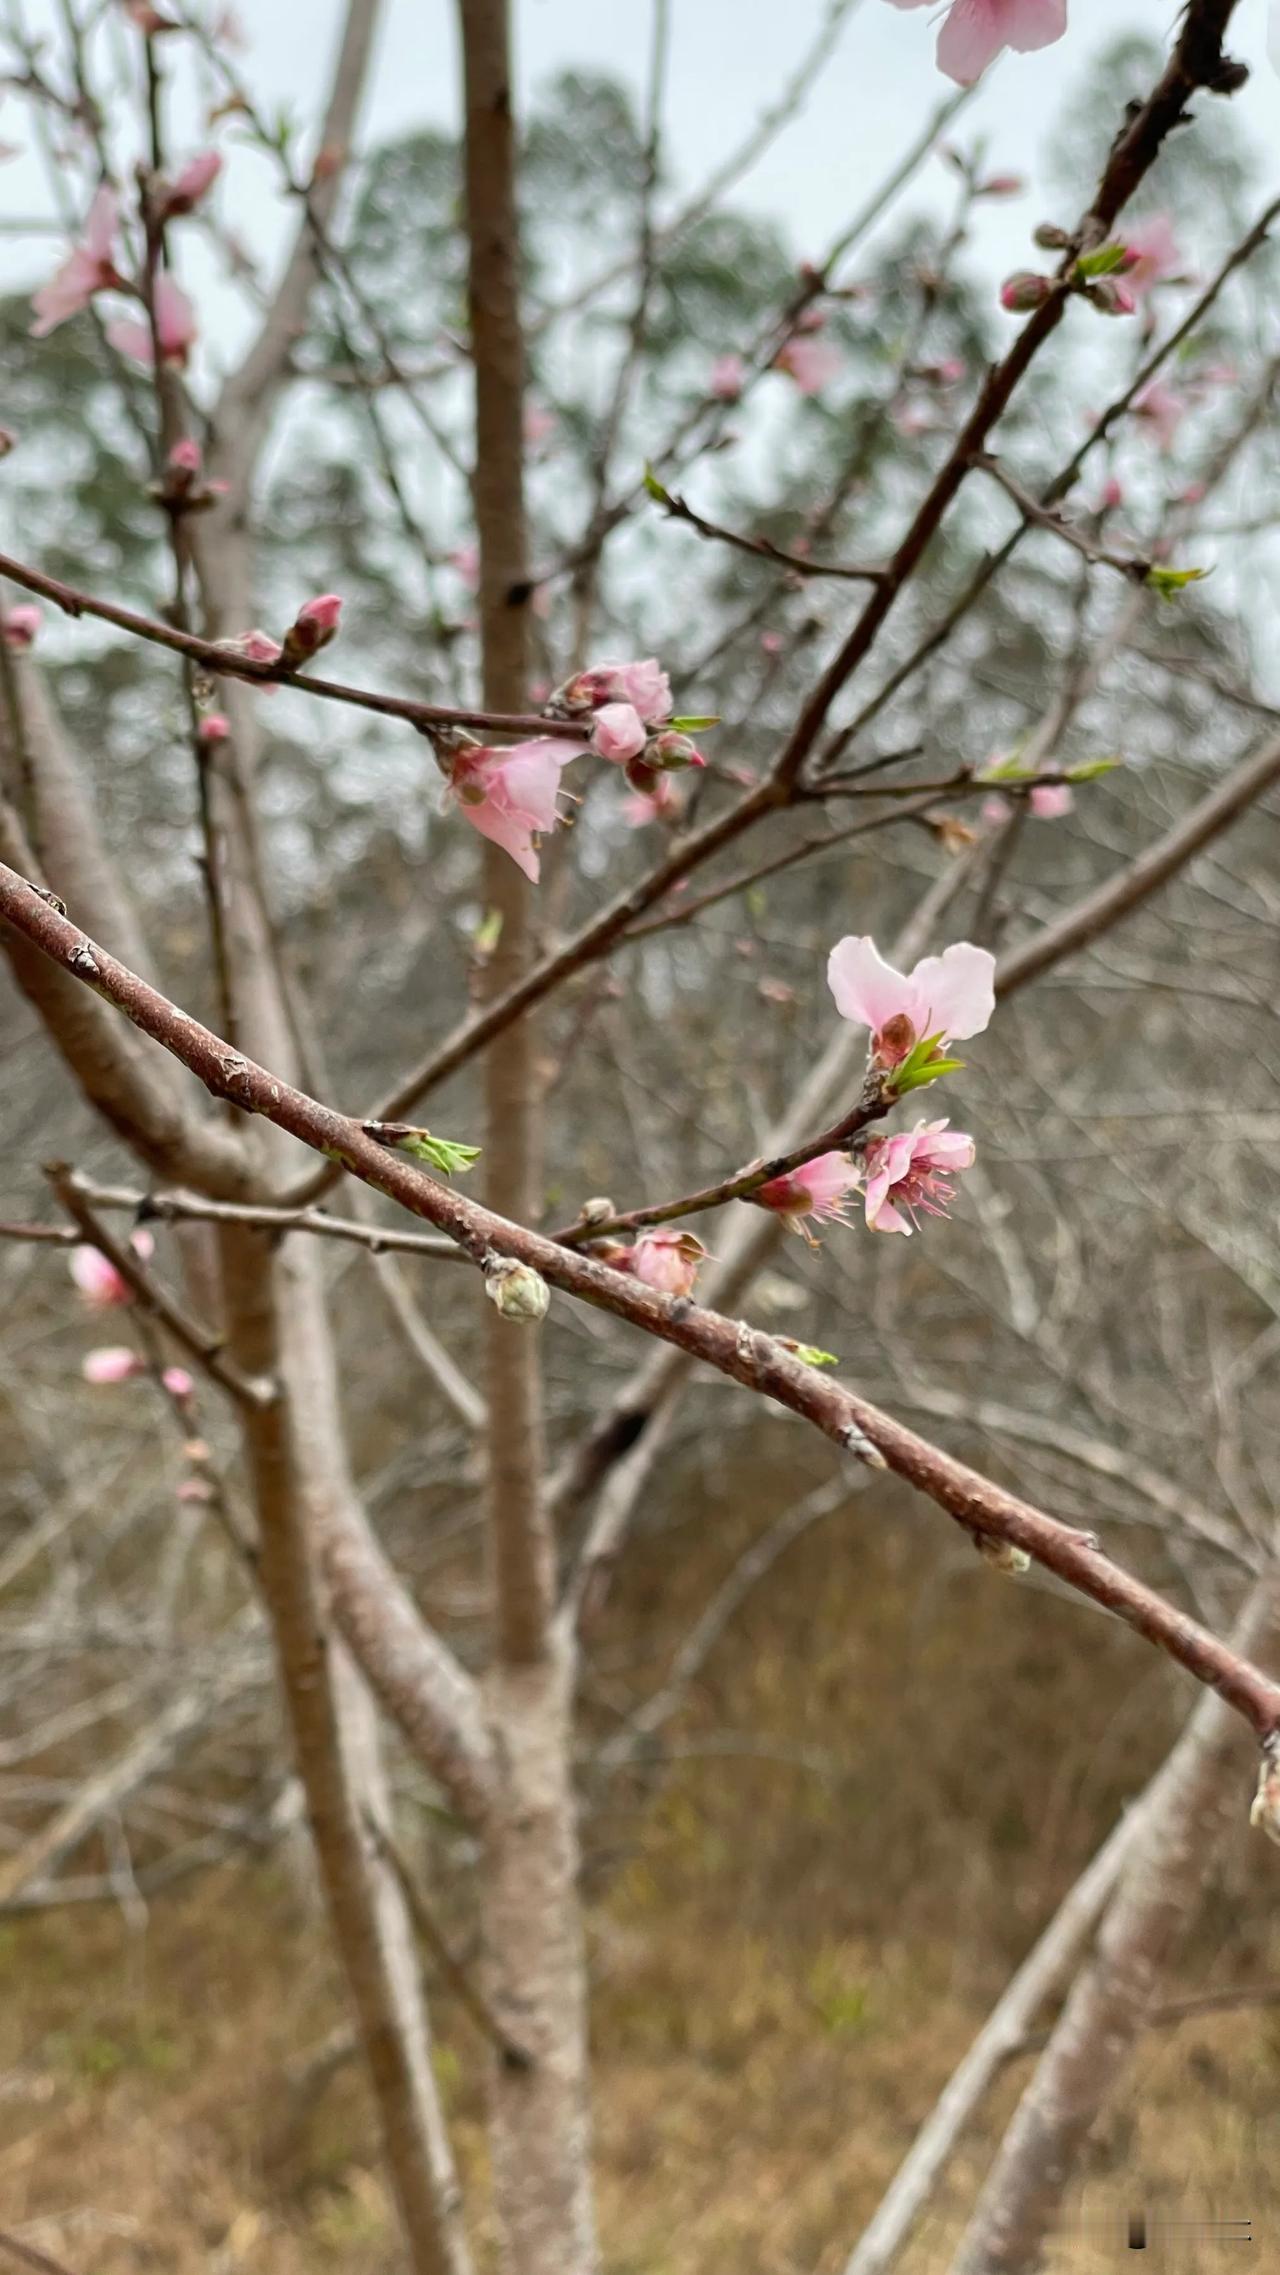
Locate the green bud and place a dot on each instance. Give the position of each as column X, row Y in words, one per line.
column 518, row 1291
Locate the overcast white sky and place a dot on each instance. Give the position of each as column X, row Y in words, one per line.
column 729, row 59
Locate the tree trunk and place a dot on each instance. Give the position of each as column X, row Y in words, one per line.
column 533, row 1936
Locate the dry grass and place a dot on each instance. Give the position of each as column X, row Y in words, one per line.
column 786, row 1959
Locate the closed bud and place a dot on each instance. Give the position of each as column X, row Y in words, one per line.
column 1001, row 1555
column 1025, row 290
column 1051, row 238
column 518, row 1291
column 1110, row 297
column 670, row 751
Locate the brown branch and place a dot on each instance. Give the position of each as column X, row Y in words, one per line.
column 1049, row 517
column 1197, row 61
column 731, row 1347
column 436, row 1942
column 205, row 1349
column 216, row 656
column 677, row 508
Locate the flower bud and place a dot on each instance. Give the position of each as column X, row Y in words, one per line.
column 215, row 729
column 1001, row 1555
column 1025, row 290
column 1110, row 297
column 1051, row 238
column 315, row 624
column 671, row 750
column 518, row 1291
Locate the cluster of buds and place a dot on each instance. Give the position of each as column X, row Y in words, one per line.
column 629, row 705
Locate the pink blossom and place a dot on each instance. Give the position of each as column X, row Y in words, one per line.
column 818, row 1188
column 618, row 732
column 1049, row 801
column 186, row 456
column 510, row 795
column 1154, row 252
column 175, row 327
column 89, row 268
column 977, row 31
column 950, row 995
column 188, row 187
column 256, row 647
column 994, row 811
column 20, row 625
column 315, row 624
column 812, row 364
column 728, row 377
column 101, row 1285
column 1024, row 290
column 644, row 685
column 670, row 751
column 1162, row 409
column 1112, row 494
column 111, row 1363
column 665, row 1258
column 216, row 728
column 661, row 803
column 178, row 1382
column 911, row 1171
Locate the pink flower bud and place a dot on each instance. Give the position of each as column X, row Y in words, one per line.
column 178, row 1382
column 187, row 189
column 1111, row 297
column 20, row 625
column 315, row 624
column 186, row 457
column 728, row 376
column 175, row 327
column 215, row 729
column 670, row 751
column 111, row 1363
column 1002, row 185
column 1112, row 494
column 1025, row 290
column 195, row 1490
column 618, row 732
column 1049, row 801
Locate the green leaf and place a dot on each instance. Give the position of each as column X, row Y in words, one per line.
column 923, row 1065
column 447, row 1156
column 1104, row 261
column 691, row 726
column 810, row 1356
column 1167, row 582
column 488, row 932
column 655, row 488
column 1092, row 769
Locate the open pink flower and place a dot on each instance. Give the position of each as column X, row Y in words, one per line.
column 619, row 732
column 191, row 184
column 111, row 1362
column 819, row 1188
column 510, row 795
column 666, row 1259
column 20, row 625
column 728, row 377
column 812, row 364
column 1154, row 252
column 175, row 327
column 977, row 31
column 950, row 995
column 1049, row 801
column 913, row 1171
column 89, row 267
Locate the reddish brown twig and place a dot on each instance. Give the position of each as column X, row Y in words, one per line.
column 731, row 1347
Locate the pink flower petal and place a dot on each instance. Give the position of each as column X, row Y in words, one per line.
column 956, row 991
column 867, row 990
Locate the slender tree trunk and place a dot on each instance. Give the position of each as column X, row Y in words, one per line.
column 1191, row 1803
column 533, row 1936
